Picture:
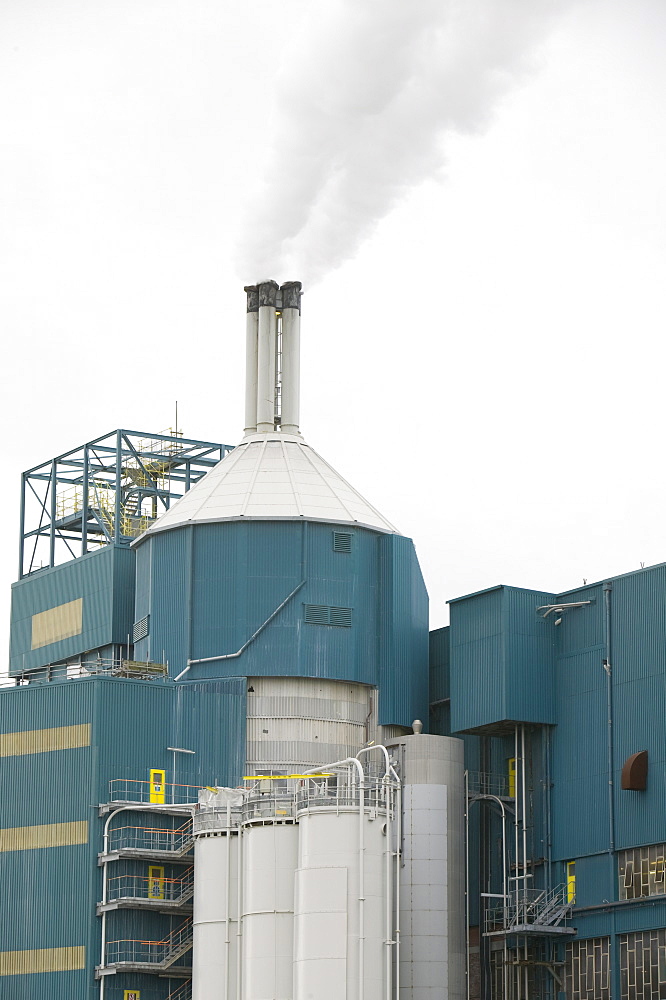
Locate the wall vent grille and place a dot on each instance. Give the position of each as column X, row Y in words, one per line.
column 321, row 614
column 342, row 541
column 140, row 630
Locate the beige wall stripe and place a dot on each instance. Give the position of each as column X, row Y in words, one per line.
column 57, row 623
column 30, row 838
column 18, row 963
column 44, row 740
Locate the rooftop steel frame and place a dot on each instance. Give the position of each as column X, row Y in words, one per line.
column 106, row 492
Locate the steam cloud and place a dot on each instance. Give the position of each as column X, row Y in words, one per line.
column 365, row 100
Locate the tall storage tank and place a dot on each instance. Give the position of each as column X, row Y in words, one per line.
column 270, row 851
column 342, row 901
column 216, row 942
column 432, row 877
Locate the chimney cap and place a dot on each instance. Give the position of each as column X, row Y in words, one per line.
column 417, row 727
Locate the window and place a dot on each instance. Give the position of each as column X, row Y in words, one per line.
column 587, row 969
column 643, row 965
column 641, row 872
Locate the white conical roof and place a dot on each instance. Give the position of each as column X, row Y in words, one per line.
column 274, row 477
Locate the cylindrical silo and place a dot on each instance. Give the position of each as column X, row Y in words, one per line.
column 342, row 901
column 432, row 874
column 215, row 952
column 270, row 849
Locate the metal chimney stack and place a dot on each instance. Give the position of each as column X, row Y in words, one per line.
column 272, row 359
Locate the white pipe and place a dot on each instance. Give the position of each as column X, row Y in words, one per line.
column 227, row 928
column 467, row 942
column 266, row 357
column 519, row 979
column 239, row 903
column 251, row 362
column 389, row 895
column 361, row 887
column 291, row 369
column 387, row 774
column 524, row 797
column 105, row 850
column 397, row 891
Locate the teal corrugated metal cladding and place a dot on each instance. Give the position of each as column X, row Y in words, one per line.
column 501, row 659
column 104, row 580
column 222, row 589
column 131, row 725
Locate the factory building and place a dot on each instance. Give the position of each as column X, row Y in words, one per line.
column 215, row 780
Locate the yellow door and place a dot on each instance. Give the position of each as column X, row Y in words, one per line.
column 571, row 882
column 512, row 777
column 155, row 882
column 157, row 779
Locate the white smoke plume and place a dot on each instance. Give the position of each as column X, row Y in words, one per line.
column 365, row 100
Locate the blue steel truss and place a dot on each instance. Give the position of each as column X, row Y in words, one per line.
column 106, row 492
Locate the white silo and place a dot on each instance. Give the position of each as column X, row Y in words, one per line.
column 432, row 874
column 270, row 850
column 343, row 908
column 216, row 925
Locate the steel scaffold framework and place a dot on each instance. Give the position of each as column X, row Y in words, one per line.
column 106, row 492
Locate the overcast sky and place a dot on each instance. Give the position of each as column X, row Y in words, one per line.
column 473, row 196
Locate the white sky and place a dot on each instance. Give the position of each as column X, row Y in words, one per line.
column 488, row 367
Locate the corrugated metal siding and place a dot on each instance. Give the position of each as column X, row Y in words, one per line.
column 170, row 599
column 439, row 657
column 103, row 579
column 501, row 659
column 403, row 687
column 132, row 724
column 638, row 627
column 209, row 717
column 242, row 572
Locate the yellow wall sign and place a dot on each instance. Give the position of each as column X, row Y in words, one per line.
column 157, row 780
column 132, row 995
column 155, row 882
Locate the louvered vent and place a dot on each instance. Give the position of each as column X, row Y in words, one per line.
column 342, row 541
column 140, row 630
column 321, row 614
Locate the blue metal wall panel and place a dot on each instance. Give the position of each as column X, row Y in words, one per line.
column 105, row 581
column 52, row 985
column 439, row 659
column 501, row 659
column 221, row 588
column 403, row 683
column 638, row 655
column 210, row 716
column 529, row 657
column 132, row 724
column 477, row 660
column 596, row 878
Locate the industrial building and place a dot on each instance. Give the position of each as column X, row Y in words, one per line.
column 235, row 764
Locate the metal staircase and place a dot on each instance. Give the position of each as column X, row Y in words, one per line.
column 531, row 911
column 152, row 956
column 137, row 892
column 148, row 843
column 183, row 992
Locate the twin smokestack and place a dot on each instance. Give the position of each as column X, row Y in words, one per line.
column 272, row 358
